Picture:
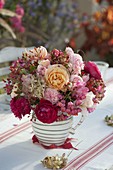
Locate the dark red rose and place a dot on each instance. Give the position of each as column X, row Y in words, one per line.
column 92, row 69
column 46, row 112
column 20, row 107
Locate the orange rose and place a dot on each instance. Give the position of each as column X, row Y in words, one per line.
column 57, row 76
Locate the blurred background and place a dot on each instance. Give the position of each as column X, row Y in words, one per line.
column 80, row 24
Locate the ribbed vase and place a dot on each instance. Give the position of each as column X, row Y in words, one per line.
column 54, row 133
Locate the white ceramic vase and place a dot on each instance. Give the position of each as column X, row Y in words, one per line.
column 56, row 132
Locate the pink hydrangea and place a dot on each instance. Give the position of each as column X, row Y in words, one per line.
column 20, row 107
column 52, row 95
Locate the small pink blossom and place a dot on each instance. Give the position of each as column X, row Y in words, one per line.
column 85, row 78
column 52, row 95
column 21, row 29
column 91, row 109
column 78, row 102
column 56, row 52
column 17, row 20
column 2, row 2
column 80, row 92
column 76, row 80
column 19, row 10
column 41, row 70
column 17, row 23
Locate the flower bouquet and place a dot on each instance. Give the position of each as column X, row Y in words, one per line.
column 53, row 87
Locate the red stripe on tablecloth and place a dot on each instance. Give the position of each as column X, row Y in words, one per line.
column 89, row 149
column 95, row 154
column 91, row 152
column 98, row 149
column 14, row 131
column 14, row 128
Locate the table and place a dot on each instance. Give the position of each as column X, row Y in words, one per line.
column 94, row 140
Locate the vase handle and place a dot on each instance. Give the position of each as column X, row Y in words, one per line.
column 83, row 116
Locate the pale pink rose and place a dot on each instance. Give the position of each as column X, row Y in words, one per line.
column 52, row 95
column 39, row 53
column 77, row 63
column 69, row 51
column 88, row 101
column 75, row 60
column 42, row 52
column 44, row 63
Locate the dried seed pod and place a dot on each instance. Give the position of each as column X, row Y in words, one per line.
column 55, row 162
column 109, row 120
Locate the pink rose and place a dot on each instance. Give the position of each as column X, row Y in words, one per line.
column 46, row 112
column 20, row 106
column 69, row 51
column 77, row 63
column 92, row 69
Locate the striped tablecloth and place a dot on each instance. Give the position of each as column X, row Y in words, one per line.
column 95, row 151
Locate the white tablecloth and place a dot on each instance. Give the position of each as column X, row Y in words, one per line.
column 94, row 139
